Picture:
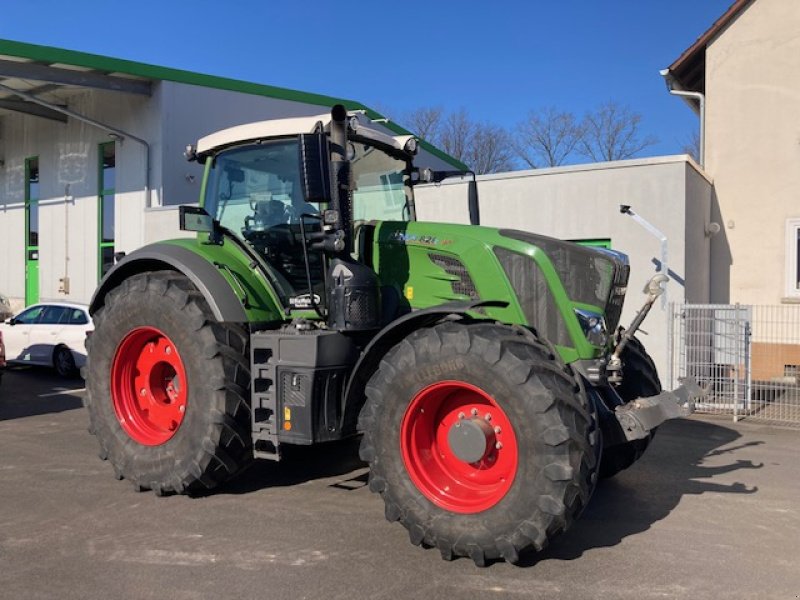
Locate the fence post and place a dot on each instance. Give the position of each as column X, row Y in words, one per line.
column 747, row 366
column 737, row 369
column 671, row 345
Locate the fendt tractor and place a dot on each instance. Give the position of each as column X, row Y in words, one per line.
column 483, row 367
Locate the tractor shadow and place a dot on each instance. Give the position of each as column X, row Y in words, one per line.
column 300, row 464
column 634, row 500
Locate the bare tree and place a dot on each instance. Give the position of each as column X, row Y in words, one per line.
column 692, row 145
column 612, row 132
column 485, row 147
column 426, row 122
column 547, row 137
column 456, row 133
column 489, row 150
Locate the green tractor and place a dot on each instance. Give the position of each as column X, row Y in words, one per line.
column 484, row 367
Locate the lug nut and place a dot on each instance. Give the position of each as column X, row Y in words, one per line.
column 498, row 445
column 474, row 412
column 461, row 415
column 497, row 429
column 488, row 417
column 168, row 350
column 182, row 409
column 143, row 392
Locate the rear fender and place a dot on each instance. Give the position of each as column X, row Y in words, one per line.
column 224, row 302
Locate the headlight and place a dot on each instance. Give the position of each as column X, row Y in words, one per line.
column 593, row 325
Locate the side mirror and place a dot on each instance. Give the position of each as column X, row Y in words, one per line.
column 194, row 218
column 10, row 321
column 315, row 167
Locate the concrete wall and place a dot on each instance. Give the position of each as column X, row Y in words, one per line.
column 753, row 146
column 582, row 202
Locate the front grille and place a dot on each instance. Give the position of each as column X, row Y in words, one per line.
column 534, row 296
column 463, row 286
column 587, row 275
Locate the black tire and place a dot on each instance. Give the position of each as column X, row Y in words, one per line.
column 554, row 424
column 639, row 380
column 212, row 443
column 64, row 362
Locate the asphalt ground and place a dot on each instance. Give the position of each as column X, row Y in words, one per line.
column 711, row 511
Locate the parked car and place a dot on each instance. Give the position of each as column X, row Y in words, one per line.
column 51, row 334
column 5, row 308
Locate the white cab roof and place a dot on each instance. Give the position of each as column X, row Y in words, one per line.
column 293, row 126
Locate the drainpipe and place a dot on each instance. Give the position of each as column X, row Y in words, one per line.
column 118, row 134
column 674, row 88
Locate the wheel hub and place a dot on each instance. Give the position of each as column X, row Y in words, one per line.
column 470, row 439
column 458, row 446
column 148, row 386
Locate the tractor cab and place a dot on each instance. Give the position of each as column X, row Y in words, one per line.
column 266, row 184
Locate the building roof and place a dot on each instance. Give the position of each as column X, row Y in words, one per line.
column 42, row 70
column 689, row 69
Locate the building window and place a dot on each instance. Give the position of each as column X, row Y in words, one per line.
column 793, row 257
column 32, row 199
column 105, row 201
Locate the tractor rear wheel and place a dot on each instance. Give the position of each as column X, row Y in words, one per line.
column 166, row 387
column 479, row 439
column 639, row 380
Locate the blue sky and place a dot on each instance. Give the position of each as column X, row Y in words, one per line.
column 496, row 59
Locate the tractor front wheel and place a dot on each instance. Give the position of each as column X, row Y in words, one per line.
column 479, row 439
column 639, row 380
column 166, row 387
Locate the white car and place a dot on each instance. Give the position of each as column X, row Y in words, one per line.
column 51, row 334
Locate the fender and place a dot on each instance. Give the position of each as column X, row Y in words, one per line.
column 224, row 303
column 390, row 335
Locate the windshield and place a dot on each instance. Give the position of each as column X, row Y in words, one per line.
column 381, row 181
column 257, row 187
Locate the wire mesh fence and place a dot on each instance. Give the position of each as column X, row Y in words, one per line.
column 747, row 356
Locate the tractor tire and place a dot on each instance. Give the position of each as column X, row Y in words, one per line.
column 479, row 439
column 639, row 380
column 64, row 362
column 167, row 387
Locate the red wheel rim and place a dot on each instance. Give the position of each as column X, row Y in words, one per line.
column 148, row 386
column 445, row 479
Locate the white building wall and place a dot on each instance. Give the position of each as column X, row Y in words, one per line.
column 68, row 170
column 753, row 148
column 582, row 202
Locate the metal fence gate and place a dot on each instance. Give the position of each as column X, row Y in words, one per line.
column 747, row 356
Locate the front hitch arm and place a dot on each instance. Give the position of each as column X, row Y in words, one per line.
column 653, row 289
column 639, row 417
